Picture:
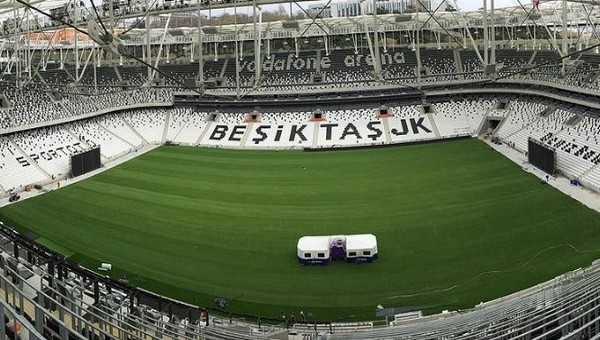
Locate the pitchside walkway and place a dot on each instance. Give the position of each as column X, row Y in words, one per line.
column 54, row 185
column 588, row 197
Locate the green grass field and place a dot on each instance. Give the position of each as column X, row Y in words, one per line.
column 456, row 222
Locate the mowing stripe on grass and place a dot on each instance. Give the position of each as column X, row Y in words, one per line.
column 456, row 222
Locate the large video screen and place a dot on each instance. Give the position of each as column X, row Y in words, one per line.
column 84, row 162
column 541, row 156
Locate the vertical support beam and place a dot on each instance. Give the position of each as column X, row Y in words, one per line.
column 493, row 30
column 237, row 52
column 38, row 315
column 111, row 13
column 416, row 40
column 17, row 51
column 29, row 51
column 376, row 55
column 95, row 70
column 296, row 46
column 534, row 37
column 160, row 47
column 200, row 57
column 565, row 46
column 76, row 49
column 486, row 57
column 148, row 46
column 16, row 249
column 257, row 58
column 363, row 8
column 2, row 323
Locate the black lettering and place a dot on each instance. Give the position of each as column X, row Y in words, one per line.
column 404, row 129
column 263, row 136
column 278, row 133
column 297, row 131
column 61, row 149
column 24, row 162
column 45, row 156
column 34, row 157
column 328, row 128
column 376, row 131
column 236, row 131
column 416, row 124
column 350, row 129
column 218, row 132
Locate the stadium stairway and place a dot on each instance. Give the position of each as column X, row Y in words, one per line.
column 459, row 65
column 204, row 132
column 178, row 132
column 72, row 134
column 117, row 73
column 386, row 130
column 533, row 123
column 247, row 134
column 114, row 135
column 588, row 171
column 144, row 141
column 574, row 120
column 222, row 73
column 434, row 126
column 315, row 141
column 505, row 119
column 40, row 77
column 166, row 127
column 318, row 65
column 34, row 163
column 531, row 60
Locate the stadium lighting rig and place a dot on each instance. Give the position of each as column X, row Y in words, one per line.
column 106, row 40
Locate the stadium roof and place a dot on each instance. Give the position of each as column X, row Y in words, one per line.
column 527, row 14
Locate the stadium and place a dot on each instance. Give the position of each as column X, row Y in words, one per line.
column 210, row 170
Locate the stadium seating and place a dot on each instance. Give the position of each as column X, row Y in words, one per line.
column 349, row 68
column 577, row 147
column 521, row 114
column 93, row 133
column 148, row 123
column 50, row 148
column 341, row 69
column 186, row 125
column 179, row 73
column 471, row 66
column 439, row 64
column 451, row 117
column 542, row 126
column 16, row 169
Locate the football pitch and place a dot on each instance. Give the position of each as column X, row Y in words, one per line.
column 456, row 223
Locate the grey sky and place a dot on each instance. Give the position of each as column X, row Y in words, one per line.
column 464, row 5
column 471, row 5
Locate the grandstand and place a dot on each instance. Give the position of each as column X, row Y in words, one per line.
column 289, row 84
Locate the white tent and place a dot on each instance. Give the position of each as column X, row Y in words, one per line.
column 313, row 250
column 361, row 248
